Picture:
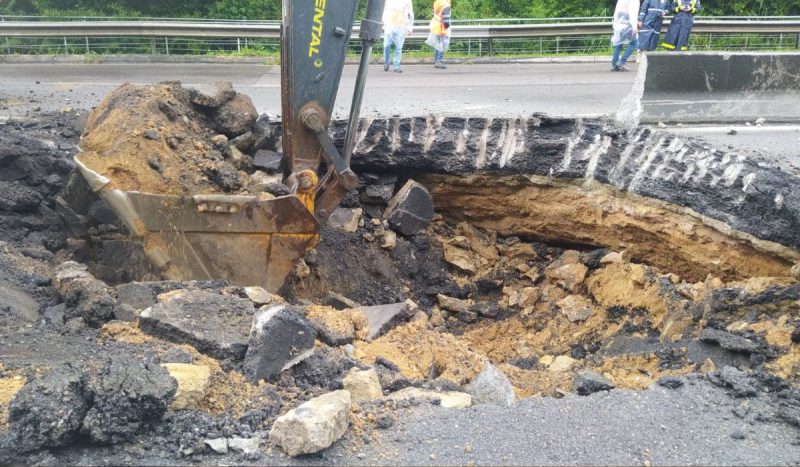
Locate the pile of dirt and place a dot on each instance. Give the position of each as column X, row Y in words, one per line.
column 170, row 140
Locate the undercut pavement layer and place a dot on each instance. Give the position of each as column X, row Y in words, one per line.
column 669, row 198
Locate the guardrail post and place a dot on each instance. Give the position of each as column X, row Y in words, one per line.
column 796, row 41
column 153, row 45
column 491, row 47
column 87, row 44
column 238, row 44
column 66, row 47
column 166, row 44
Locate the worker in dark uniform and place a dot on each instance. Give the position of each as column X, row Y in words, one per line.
column 651, row 17
column 681, row 25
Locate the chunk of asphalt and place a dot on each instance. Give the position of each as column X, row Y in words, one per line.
column 216, row 325
column 48, row 411
column 128, row 394
column 381, row 318
column 588, row 382
column 729, row 341
column 410, row 210
column 280, row 337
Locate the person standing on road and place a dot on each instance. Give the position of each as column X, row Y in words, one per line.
column 651, row 18
column 439, row 37
column 681, row 25
column 626, row 32
column 398, row 20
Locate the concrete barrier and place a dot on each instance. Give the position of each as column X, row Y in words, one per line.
column 712, row 87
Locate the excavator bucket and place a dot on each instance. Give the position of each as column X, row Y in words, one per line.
column 248, row 241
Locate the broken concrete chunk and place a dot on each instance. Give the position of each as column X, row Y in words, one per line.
column 48, row 411
column 268, row 160
column 280, row 337
column 224, row 92
column 381, row 318
column 613, row 257
column 218, row 445
column 339, row 301
column 260, row 297
column 447, row 399
column 345, row 219
column 491, row 386
column 244, row 445
column 411, row 209
column 193, row 381
column 314, row 425
column 460, row 258
column 588, row 382
column 729, row 341
column 216, row 325
column 575, row 308
column 452, row 304
column 363, row 385
column 528, row 296
column 389, row 240
column 568, row 276
column 90, row 297
column 377, row 194
column 127, row 394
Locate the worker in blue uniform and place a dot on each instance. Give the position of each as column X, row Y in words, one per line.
column 651, row 17
column 681, row 25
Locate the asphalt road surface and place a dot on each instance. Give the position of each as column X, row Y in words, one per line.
column 487, row 89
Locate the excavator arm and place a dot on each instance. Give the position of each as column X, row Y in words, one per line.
column 314, row 49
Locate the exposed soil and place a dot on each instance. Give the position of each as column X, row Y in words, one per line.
column 510, row 272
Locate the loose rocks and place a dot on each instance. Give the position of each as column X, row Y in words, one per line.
column 491, row 386
column 89, row 296
column 48, row 411
column 729, row 341
column 345, row 219
column 127, row 394
column 447, row 399
column 193, row 381
column 363, row 385
column 575, row 308
column 217, row 325
column 411, row 209
column 314, row 425
column 381, row 318
column 279, row 338
column 588, row 382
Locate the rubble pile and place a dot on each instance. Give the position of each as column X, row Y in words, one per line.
column 411, row 297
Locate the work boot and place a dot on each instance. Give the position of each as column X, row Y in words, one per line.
column 440, row 65
column 614, row 68
column 385, row 67
column 397, row 69
column 622, row 68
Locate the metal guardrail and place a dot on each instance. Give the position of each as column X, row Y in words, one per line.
column 510, row 36
column 267, row 30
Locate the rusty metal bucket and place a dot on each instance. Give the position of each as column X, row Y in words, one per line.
column 246, row 240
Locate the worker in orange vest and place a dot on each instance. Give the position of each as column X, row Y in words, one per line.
column 439, row 37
